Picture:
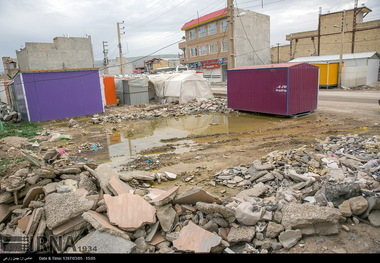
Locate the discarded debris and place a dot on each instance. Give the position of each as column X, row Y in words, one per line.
column 283, row 197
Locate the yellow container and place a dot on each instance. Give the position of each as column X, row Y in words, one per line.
column 328, row 74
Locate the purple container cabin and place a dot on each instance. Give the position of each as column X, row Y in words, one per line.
column 57, row 94
column 281, row 89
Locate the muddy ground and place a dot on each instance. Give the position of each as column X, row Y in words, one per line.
column 212, row 153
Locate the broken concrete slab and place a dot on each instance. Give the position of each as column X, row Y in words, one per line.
column 248, row 214
column 129, row 211
column 74, row 224
column 241, row 234
column 101, row 222
column 104, row 243
column 50, row 188
column 165, row 197
column 311, row 219
column 215, row 208
column 167, row 217
column 103, row 173
column 32, row 195
column 193, row 238
column 194, row 195
column 60, row 208
column 290, row 238
column 250, row 194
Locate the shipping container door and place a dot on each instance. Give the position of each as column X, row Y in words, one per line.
column 303, row 92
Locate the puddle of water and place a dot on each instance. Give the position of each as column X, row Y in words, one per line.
column 145, row 134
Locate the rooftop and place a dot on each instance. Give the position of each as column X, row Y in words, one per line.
column 205, row 19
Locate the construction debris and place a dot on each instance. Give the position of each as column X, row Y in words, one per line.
column 284, row 196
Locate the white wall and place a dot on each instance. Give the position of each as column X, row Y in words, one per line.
column 373, row 70
column 251, row 38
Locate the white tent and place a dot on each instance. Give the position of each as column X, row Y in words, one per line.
column 182, row 87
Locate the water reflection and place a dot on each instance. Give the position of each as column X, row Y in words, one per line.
column 137, row 136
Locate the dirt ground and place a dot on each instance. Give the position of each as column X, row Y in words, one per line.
column 213, row 153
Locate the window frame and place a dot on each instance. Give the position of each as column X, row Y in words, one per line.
column 223, row 28
column 205, row 50
column 192, row 34
column 224, row 46
column 215, row 45
column 215, row 29
column 195, row 51
column 203, row 33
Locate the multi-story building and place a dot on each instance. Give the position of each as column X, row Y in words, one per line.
column 338, row 32
column 63, row 53
column 225, row 39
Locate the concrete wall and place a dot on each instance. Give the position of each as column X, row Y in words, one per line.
column 64, row 52
column 252, row 39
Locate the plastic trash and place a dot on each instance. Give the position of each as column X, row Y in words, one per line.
column 94, row 147
column 67, row 186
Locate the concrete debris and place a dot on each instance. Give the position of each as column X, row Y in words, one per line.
column 283, row 197
column 165, row 110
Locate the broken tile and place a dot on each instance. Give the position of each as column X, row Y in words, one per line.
column 39, row 233
column 165, row 197
column 101, row 222
column 153, row 230
column 157, row 238
column 34, row 221
column 22, row 223
column 129, row 211
column 194, row 195
column 5, row 212
column 118, row 187
column 193, row 238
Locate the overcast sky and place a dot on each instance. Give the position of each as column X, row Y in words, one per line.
column 151, row 26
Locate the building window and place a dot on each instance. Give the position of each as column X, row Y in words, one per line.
column 224, row 26
column 202, row 51
column 212, row 48
column 224, row 47
column 192, row 35
column 202, row 32
column 212, row 29
column 193, row 52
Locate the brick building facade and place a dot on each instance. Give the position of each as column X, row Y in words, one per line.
column 358, row 36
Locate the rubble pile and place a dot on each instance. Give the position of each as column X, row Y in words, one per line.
column 138, row 112
column 284, row 197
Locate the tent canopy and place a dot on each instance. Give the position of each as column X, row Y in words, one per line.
column 182, row 87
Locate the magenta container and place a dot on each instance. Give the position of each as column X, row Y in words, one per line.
column 286, row 89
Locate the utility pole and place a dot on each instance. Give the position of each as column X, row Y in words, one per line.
column 105, row 60
column 231, row 59
column 341, row 49
column 120, row 51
